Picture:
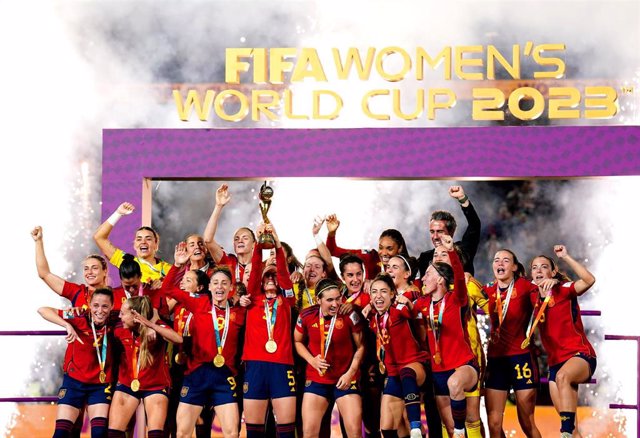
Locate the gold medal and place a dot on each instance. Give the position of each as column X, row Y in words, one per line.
column 525, row 343
column 135, row 385
column 218, row 361
column 180, row 358
column 271, row 346
column 103, row 376
column 437, row 358
column 382, row 368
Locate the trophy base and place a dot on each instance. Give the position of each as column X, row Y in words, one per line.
column 267, row 241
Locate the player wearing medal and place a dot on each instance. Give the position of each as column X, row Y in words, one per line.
column 243, row 240
column 211, row 365
column 508, row 364
column 352, row 273
column 400, row 355
column 445, row 310
column 143, row 372
column 268, row 351
column 87, row 363
column 190, row 274
column 473, row 423
column 145, row 244
column 390, row 243
column 571, row 358
column 331, row 343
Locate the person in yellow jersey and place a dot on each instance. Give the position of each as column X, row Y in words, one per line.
column 477, row 299
column 145, row 244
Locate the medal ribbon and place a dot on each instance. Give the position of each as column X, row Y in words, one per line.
column 503, row 307
column 270, row 317
column 225, row 332
column 324, row 344
column 534, row 323
column 238, row 279
column 136, row 361
column 181, row 322
column 380, row 342
column 185, row 332
column 353, row 297
column 102, row 358
column 436, row 326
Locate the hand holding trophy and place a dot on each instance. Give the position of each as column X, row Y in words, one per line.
column 266, row 193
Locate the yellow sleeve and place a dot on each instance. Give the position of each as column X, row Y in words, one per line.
column 476, row 295
column 117, row 257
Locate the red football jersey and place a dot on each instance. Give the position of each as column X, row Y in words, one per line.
column 453, row 347
column 154, row 376
column 507, row 340
column 256, row 334
column 341, row 347
column 204, row 343
column 81, row 360
column 400, row 346
column 561, row 328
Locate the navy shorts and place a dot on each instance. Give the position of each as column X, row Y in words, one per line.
column 329, row 391
column 440, row 378
column 266, row 380
column 141, row 394
column 78, row 394
column 592, row 361
column 208, row 385
column 519, row 371
column 393, row 386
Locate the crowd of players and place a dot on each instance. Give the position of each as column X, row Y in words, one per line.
column 279, row 342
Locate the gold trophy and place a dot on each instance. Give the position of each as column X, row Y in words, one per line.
column 266, row 192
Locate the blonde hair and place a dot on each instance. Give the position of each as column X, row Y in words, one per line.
column 142, row 305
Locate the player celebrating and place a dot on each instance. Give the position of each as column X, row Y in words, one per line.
column 571, row 358
column 508, row 365
column 444, row 308
column 477, row 299
column 400, row 356
column 268, row 351
column 145, row 243
column 94, row 271
column 331, row 344
column 243, row 239
column 87, row 363
column 143, row 373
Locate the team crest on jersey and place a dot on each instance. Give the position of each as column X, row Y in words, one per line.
column 307, row 383
column 552, row 302
column 184, row 391
column 62, row 393
column 245, row 387
column 339, row 323
column 514, row 293
column 232, row 317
